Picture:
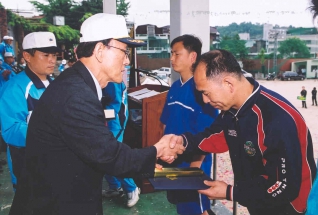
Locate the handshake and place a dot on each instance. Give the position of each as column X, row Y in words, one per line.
column 168, row 147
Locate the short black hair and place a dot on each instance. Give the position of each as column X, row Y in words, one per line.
column 86, row 49
column 219, row 61
column 190, row 42
column 30, row 51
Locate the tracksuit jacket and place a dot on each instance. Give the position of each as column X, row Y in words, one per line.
column 6, row 66
column 271, row 153
column 18, row 97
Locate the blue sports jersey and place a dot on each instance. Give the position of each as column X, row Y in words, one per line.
column 6, row 66
column 5, row 47
column 18, row 98
column 184, row 111
column 117, row 94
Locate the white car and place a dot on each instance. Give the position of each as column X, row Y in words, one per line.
column 162, row 71
column 247, row 74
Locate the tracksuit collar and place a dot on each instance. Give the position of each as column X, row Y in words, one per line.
column 250, row 101
column 35, row 79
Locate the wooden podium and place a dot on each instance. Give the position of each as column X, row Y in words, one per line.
column 151, row 129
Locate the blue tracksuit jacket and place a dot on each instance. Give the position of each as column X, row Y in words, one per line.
column 18, row 97
column 271, row 152
column 117, row 95
column 6, row 66
column 4, row 47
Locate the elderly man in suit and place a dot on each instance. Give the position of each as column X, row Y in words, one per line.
column 69, row 148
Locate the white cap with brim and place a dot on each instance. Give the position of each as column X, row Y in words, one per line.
column 6, row 38
column 8, row 54
column 103, row 26
column 42, row 41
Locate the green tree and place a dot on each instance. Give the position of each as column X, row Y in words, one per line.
column 294, row 48
column 235, row 46
column 122, row 7
column 255, row 30
column 54, row 8
column 261, row 56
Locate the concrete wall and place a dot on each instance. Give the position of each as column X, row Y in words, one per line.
column 189, row 17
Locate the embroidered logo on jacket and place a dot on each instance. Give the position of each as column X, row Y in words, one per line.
column 274, row 187
column 232, row 133
column 249, row 148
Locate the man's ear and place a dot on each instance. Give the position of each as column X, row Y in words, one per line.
column 229, row 83
column 193, row 57
column 98, row 51
column 26, row 56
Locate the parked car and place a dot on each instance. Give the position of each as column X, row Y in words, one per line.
column 247, row 74
column 162, row 71
column 289, row 75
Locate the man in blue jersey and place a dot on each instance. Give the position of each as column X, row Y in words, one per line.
column 116, row 99
column 184, row 111
column 268, row 140
column 19, row 96
column 7, row 71
column 6, row 46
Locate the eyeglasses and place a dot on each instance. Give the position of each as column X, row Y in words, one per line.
column 123, row 50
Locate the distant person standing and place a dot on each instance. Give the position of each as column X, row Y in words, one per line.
column 314, row 96
column 303, row 93
column 7, row 71
column 6, row 46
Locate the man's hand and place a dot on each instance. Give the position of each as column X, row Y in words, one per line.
column 217, row 190
column 5, row 74
column 168, row 147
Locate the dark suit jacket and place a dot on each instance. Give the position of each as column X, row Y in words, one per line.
column 69, row 149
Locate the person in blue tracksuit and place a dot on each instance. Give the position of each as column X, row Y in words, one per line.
column 7, row 71
column 268, row 140
column 115, row 95
column 19, row 96
column 6, row 46
column 184, row 111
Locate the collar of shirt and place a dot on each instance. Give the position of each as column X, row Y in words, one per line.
column 35, row 79
column 98, row 88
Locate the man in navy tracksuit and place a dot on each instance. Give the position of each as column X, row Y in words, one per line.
column 269, row 143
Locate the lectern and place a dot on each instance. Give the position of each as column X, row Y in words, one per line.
column 150, row 130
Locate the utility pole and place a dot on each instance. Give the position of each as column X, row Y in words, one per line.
column 276, row 34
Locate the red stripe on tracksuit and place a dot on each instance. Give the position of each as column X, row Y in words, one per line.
column 300, row 202
column 260, row 132
column 215, row 143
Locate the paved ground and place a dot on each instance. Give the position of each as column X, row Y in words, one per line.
column 290, row 90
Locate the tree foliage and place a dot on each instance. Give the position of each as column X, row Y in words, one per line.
column 261, row 56
column 255, row 30
column 293, row 48
column 122, row 7
column 235, row 46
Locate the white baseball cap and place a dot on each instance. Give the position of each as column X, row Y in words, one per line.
column 42, row 41
column 102, row 26
column 7, row 38
column 63, row 61
column 8, row 54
